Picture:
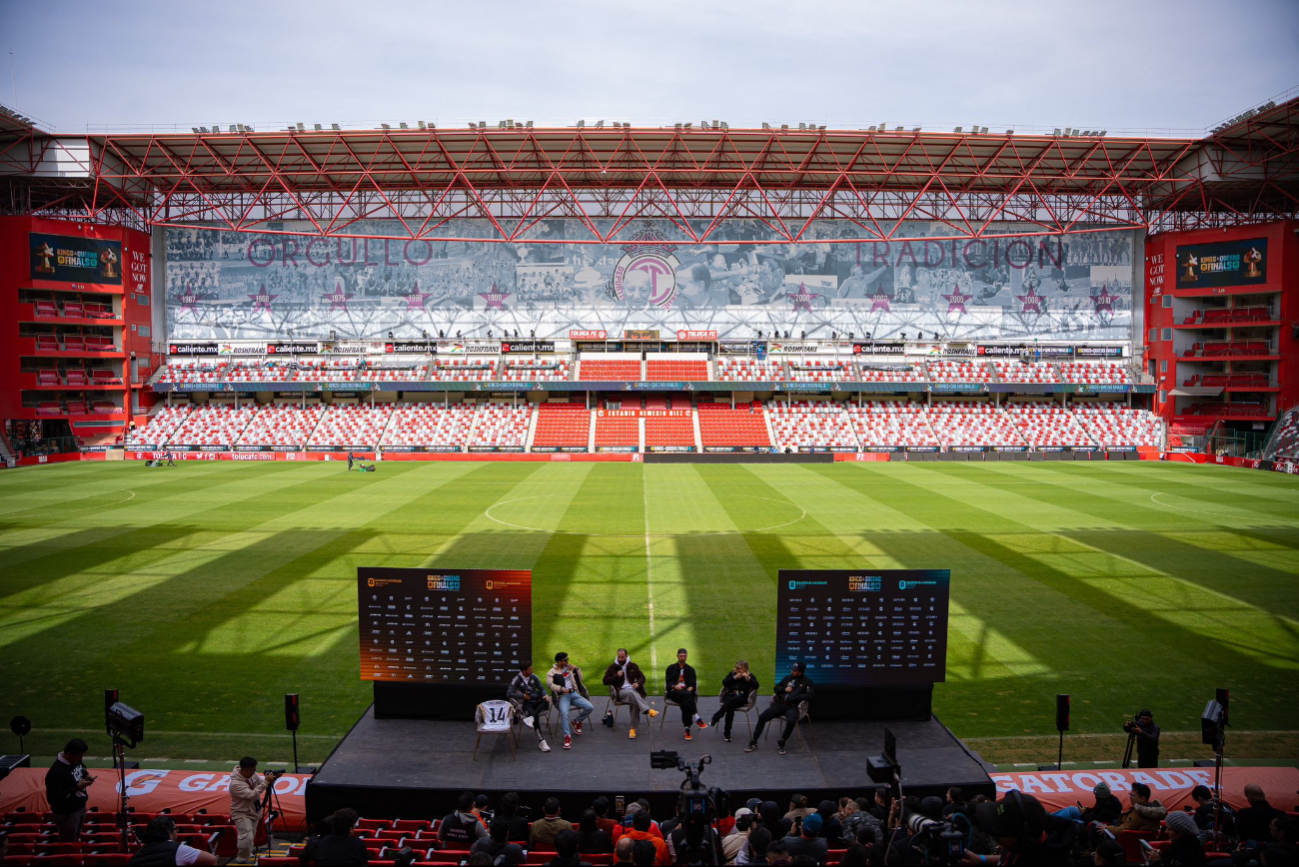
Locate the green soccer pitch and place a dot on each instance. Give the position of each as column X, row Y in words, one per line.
column 205, row 591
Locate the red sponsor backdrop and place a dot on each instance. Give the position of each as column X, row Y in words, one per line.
column 153, row 791
column 1171, row 787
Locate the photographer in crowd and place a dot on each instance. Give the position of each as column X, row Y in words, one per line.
column 246, row 790
column 1146, row 732
column 65, row 789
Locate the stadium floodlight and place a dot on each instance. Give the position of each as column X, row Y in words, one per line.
column 529, row 124
column 316, row 126
column 1010, row 132
column 784, row 127
column 871, row 129
column 1104, row 131
column 334, row 126
column 915, row 129
column 983, row 130
column 898, row 129
column 599, row 124
column 802, row 126
column 195, row 129
column 301, row 127
column 959, row 129
column 581, row 124
column 403, row 125
column 385, row 126
column 421, row 124
column 822, row 127
column 765, row 125
column 688, row 125
column 1057, row 131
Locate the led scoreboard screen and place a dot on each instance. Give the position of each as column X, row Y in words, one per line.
column 461, row 627
column 863, row 628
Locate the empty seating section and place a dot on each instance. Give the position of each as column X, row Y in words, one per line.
column 819, row 370
column 1047, row 425
column 957, row 371
column 351, row 424
column 1243, row 381
column 424, row 424
column 77, row 376
column 202, row 371
column 1094, row 373
column 72, row 308
column 535, row 370
column 45, row 307
column 744, row 426
column 159, row 428
column 616, row 430
column 889, row 373
column 213, row 426
column 1220, row 348
column 677, row 369
column 283, row 424
column 972, row 424
column 47, row 342
column 99, row 343
column 810, row 424
column 47, row 377
column 899, row 423
column 669, row 430
column 1223, row 315
column 606, row 370
column 352, row 370
column 194, row 371
column 562, row 425
column 463, row 369
column 261, row 371
column 500, row 425
column 1120, row 425
column 1019, row 371
column 748, row 370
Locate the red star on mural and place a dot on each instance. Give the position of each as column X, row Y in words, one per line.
column 1031, row 302
column 262, row 301
column 188, row 299
column 338, row 298
column 1104, row 302
column 802, row 298
column 956, row 301
column 495, row 299
column 880, row 302
column 415, row 300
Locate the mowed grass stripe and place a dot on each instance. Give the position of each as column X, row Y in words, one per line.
column 1219, row 558
column 1113, row 593
column 1250, row 491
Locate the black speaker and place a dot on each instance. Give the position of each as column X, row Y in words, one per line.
column 110, row 699
column 1223, row 697
column 291, row 718
column 1209, row 722
column 1062, row 712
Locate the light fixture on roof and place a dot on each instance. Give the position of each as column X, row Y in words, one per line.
column 784, row 127
column 334, row 126
column 959, row 129
column 1010, row 132
column 195, row 129
column 599, row 124
column 421, row 124
column 317, row 127
column 766, row 125
column 385, row 126
column 802, row 126
column 529, row 124
column 1057, row 131
column 301, row 127
column 915, row 129
column 899, row 129
column 983, row 130
column 581, row 124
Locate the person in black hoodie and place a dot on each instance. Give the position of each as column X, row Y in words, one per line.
column 339, row 848
column 682, row 687
column 796, row 687
column 65, row 789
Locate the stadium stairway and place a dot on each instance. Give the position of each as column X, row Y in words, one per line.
column 590, row 434
column 532, row 429
column 699, row 437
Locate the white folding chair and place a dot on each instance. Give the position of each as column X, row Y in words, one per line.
column 495, row 717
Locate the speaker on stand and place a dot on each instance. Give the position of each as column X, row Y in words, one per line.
column 1062, row 725
column 293, row 719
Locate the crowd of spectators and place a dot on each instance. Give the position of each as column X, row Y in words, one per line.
column 874, row 828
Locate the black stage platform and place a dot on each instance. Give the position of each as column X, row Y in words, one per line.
column 415, row 768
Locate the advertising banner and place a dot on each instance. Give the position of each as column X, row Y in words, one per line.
column 874, row 348
column 470, row 347
column 696, row 335
column 528, row 346
column 863, row 627
column 1222, row 263
column 1172, row 788
column 189, row 349
column 410, row 347
column 443, row 626
column 579, row 334
column 66, row 259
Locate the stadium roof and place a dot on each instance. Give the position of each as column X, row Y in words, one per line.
column 699, row 178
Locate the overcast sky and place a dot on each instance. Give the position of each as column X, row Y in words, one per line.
column 1132, row 65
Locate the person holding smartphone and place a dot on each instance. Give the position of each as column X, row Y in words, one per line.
column 65, row 789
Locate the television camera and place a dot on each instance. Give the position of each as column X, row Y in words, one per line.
column 699, row 808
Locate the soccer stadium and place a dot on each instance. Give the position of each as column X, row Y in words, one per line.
column 472, row 492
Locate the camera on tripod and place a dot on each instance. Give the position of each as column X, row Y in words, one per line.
column 698, row 807
column 941, row 841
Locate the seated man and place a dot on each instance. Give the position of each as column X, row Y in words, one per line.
column 796, row 687
column 738, row 685
column 526, row 691
column 566, row 683
column 1143, row 815
column 682, row 687
column 1253, row 822
column 626, row 677
column 808, row 841
column 1207, row 811
column 1106, row 810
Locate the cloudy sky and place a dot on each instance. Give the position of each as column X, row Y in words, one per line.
column 1146, row 65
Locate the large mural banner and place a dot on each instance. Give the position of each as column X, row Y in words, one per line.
column 223, row 285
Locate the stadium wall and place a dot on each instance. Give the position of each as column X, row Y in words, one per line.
column 1076, row 287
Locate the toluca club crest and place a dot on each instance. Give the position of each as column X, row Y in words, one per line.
column 646, row 275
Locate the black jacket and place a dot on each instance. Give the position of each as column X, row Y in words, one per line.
column 734, row 686
column 1107, row 810
column 674, row 674
column 802, row 689
column 161, row 854
column 1252, row 822
column 523, row 689
column 1148, row 743
column 341, row 850
column 61, row 787
column 1184, row 852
